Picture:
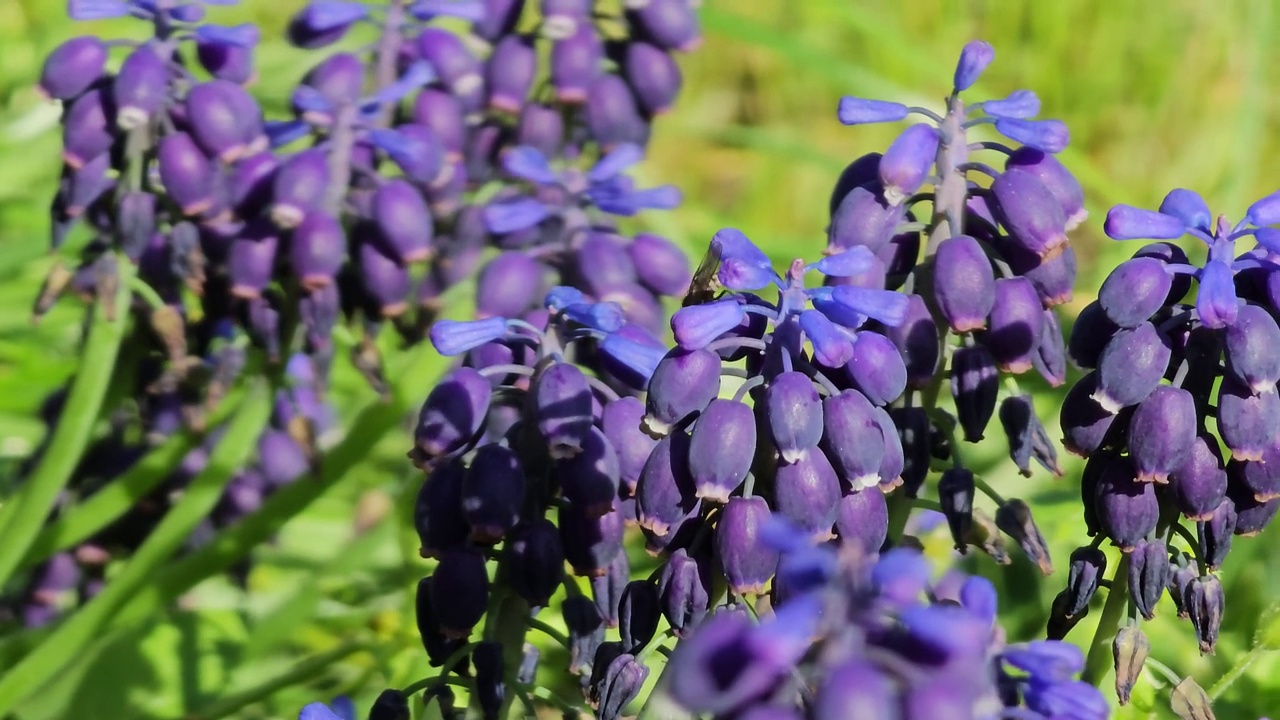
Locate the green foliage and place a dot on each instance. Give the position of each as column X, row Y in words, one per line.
column 1157, row 95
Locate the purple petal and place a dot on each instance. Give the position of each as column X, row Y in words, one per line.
column 697, row 325
column 317, row 711
column 831, row 346
column 858, row 111
column 611, row 165
column 1266, row 211
column 96, row 9
column 453, row 337
column 331, row 14
column 887, row 306
column 528, row 163
column 414, row 77
column 283, row 132
column 641, row 358
column 1268, row 238
column 1189, row 207
column 603, row 316
column 733, row 245
column 1216, row 301
column 854, row 261
column 511, row 215
column 837, row 313
column 309, row 99
column 974, row 58
column 1020, row 105
column 1125, row 222
column 562, row 296
column 244, row 35
column 468, row 10
column 1049, row 136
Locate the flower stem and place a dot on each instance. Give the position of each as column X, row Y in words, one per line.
column 22, row 517
column 1237, row 670
column 1099, row 662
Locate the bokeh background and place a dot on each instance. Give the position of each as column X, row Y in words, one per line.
column 1156, row 94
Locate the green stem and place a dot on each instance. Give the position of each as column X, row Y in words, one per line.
column 117, row 497
column 549, row 631
column 23, row 516
column 439, row 678
column 301, row 672
column 147, row 293
column 1099, row 662
column 75, row 635
column 1229, row 677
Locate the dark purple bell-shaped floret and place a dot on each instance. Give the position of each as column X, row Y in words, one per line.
column 684, row 587
column 1027, row 436
column 1249, row 424
column 1030, row 213
column 1050, row 359
column 1057, row 180
column 299, row 186
column 747, row 560
column 562, row 401
column 907, row 161
column 1086, row 425
column 1251, row 349
column 975, row 383
column 639, row 611
column 661, row 265
column 721, row 448
column 956, row 490
column 621, row 423
column 794, row 412
column 1214, row 534
column 1149, row 573
column 917, row 340
column 1261, row 476
column 453, row 414
column 509, row 284
column 964, row 284
column 862, row 217
column 252, row 258
column 1054, row 280
column 1199, row 484
column 575, row 63
column 403, row 221
column 862, row 520
column 225, row 120
column 653, row 76
column 1088, row 565
column 669, row 24
column 852, row 439
column 498, row 18
column 1017, row 322
column 614, row 684
column 807, row 492
column 1014, row 518
column 509, row 73
column 1162, row 433
column 1204, row 602
column 682, row 386
column 185, row 173
column 227, row 61
column 590, row 543
column 1127, row 509
column 535, row 561
column 437, row 512
column 1090, row 335
column 451, row 60
column 589, row 479
column 666, row 494
column 877, row 368
column 493, row 494
column 586, row 630
column 1252, row 516
column 1131, row 366
column 317, row 249
column 140, row 88
column 541, row 127
column 1134, row 291
column 611, row 114
column 607, row 589
column 86, row 127
column 459, row 591
column 384, row 280
column 914, row 433
column 441, row 113
column 250, row 185
column 72, row 67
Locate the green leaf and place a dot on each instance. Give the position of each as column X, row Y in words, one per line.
column 75, row 634
column 22, row 517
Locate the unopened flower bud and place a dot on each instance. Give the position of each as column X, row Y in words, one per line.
column 1149, row 572
column 955, row 495
column 1014, row 518
column 1029, row 211
column 683, row 384
column 975, row 384
column 1215, row 533
column 1130, row 650
column 684, row 587
column 590, row 543
column 964, row 283
column 1088, row 564
column 638, row 613
column 807, row 492
column 1127, row 509
column 459, row 591
column 535, row 561
column 493, row 494
column 563, row 408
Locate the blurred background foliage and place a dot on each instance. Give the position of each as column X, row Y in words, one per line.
column 1156, row 94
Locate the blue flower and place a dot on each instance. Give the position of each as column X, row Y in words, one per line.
column 1184, row 212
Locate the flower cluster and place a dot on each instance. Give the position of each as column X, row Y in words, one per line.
column 1171, row 383
column 859, row 636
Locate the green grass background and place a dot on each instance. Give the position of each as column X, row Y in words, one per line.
column 1156, row 94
